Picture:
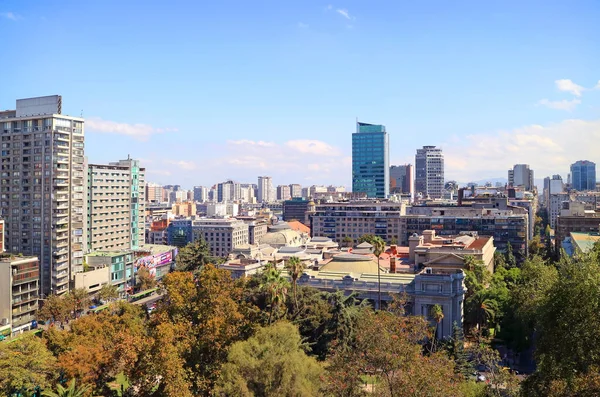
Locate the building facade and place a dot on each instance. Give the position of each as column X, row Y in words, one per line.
column 116, row 204
column 521, row 175
column 583, row 175
column 200, row 194
column 42, row 193
column 222, row 235
column 296, row 209
column 402, row 179
column 429, row 172
column 283, row 192
column 370, row 160
column 295, row 190
column 19, row 286
column 265, row 189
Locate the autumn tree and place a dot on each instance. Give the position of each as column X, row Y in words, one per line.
column 194, row 256
column 25, row 364
column 270, row 363
column 108, row 292
column 55, row 308
column 79, row 300
column 145, row 280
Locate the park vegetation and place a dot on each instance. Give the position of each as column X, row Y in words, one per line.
column 265, row 335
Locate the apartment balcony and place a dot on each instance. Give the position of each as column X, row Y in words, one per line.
column 62, row 266
column 60, row 239
column 61, row 197
column 27, row 299
column 22, row 320
column 59, row 206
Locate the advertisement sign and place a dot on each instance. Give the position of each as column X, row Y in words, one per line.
column 153, row 261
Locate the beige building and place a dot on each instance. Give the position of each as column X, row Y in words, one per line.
column 115, row 206
column 575, row 217
column 449, row 253
column 19, row 285
column 222, row 235
column 184, row 209
column 42, row 193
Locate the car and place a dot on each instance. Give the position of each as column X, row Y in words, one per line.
column 481, row 378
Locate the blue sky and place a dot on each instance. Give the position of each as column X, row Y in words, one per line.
column 204, row 91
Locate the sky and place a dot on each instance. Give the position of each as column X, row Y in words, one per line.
column 205, row 91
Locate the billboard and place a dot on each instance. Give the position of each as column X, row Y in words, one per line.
column 156, row 260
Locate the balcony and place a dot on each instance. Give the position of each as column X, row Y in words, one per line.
column 61, row 197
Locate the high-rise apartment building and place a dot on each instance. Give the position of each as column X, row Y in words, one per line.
column 583, row 175
column 370, row 160
column 283, row 192
column 115, row 206
column 42, row 187
column 154, row 193
column 200, row 194
column 429, row 169
column 521, row 175
column 19, row 286
column 295, row 190
column 228, row 191
column 265, row 189
column 402, row 179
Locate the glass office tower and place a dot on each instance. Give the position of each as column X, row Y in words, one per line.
column 583, row 175
column 370, row 160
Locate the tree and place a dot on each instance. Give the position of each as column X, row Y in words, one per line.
column 194, row 256
column 501, row 383
column 54, row 308
column 108, row 292
column 455, row 348
column 25, row 364
column 378, row 248
column 347, row 241
column 535, row 246
column 270, row 363
column 145, row 280
column 276, row 288
column 72, row 390
column 437, row 314
column 509, row 255
column 295, row 269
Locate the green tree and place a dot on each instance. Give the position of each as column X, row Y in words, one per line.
column 378, row 248
column 25, row 364
column 509, row 256
column 270, row 363
column 295, row 268
column 535, row 246
column 347, row 241
column 455, row 347
column 108, row 292
column 79, row 300
column 194, row 256
column 437, row 314
column 72, row 390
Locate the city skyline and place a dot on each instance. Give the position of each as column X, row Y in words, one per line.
column 258, row 104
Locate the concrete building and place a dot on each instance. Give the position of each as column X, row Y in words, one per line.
column 200, row 194
column 521, row 175
column 108, row 267
column 283, row 192
column 552, row 186
column 559, row 202
column 116, row 202
column 402, row 179
column 370, row 160
column 257, row 228
column 19, row 286
column 583, row 175
column 184, row 209
column 222, row 235
column 574, row 217
column 295, row 190
column 154, row 193
column 228, row 191
column 577, row 243
column 265, row 189
column 42, row 194
column 429, row 172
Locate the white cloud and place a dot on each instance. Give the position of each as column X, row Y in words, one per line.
column 308, row 146
column 569, row 86
column 343, row 12
column 182, row 164
column 549, row 149
column 247, row 142
column 136, row 131
column 597, row 87
column 302, row 25
column 10, row 15
column 560, row 105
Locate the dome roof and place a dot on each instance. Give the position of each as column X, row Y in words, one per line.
column 351, row 263
column 282, row 237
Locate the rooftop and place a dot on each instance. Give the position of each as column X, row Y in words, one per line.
column 585, row 241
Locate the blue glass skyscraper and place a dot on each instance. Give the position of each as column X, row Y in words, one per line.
column 370, row 160
column 583, row 175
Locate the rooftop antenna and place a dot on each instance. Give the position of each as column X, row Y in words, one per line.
column 81, row 113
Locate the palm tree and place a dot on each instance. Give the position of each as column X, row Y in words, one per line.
column 276, row 287
column 70, row 391
column 487, row 311
column 378, row 248
column 437, row 314
column 295, row 268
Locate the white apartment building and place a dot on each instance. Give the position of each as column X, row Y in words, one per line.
column 222, row 235
column 265, row 189
column 116, row 205
column 42, row 187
